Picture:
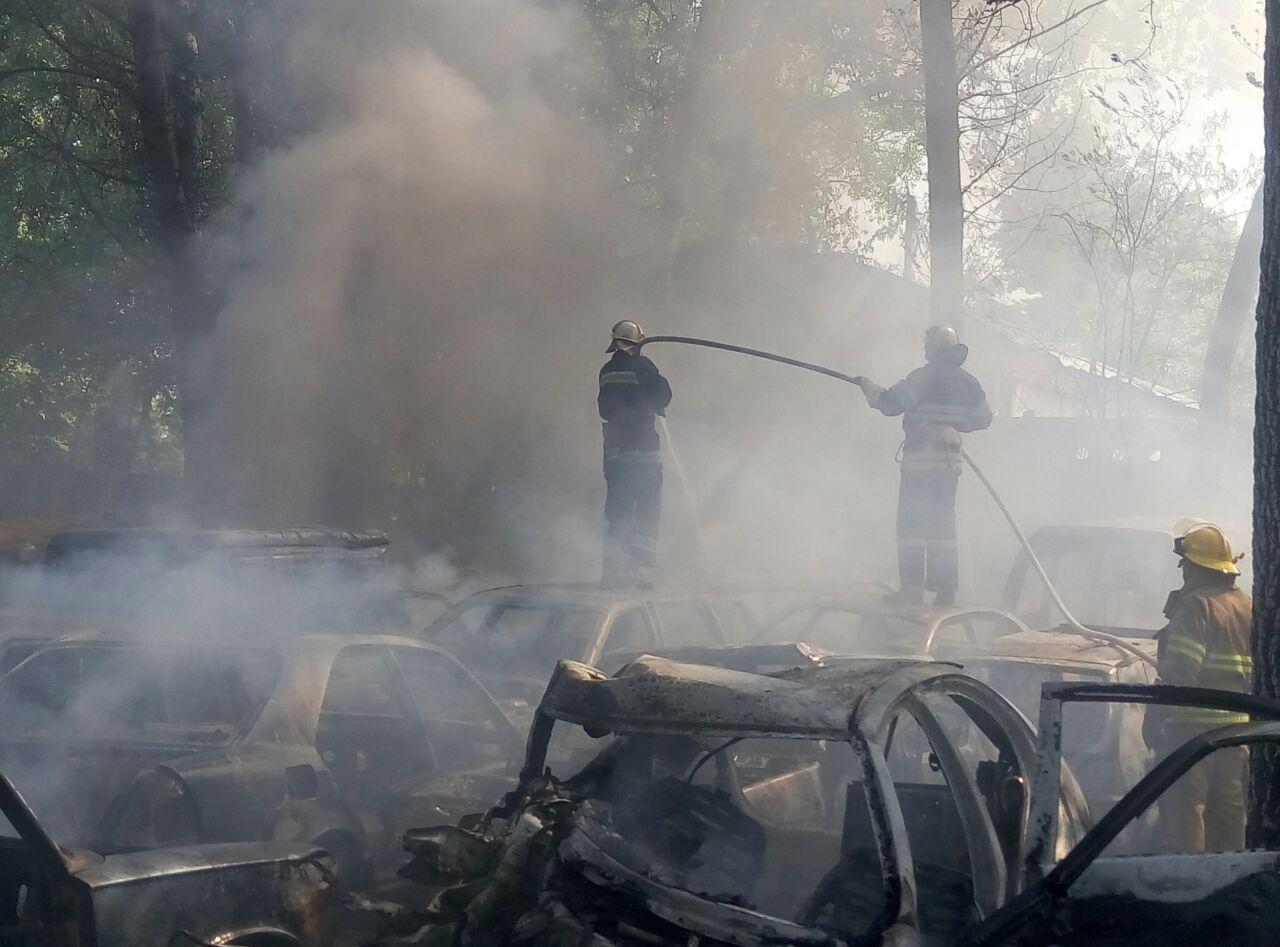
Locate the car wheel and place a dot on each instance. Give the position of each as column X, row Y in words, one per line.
column 351, row 861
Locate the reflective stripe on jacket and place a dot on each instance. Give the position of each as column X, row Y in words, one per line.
column 932, row 398
column 632, row 393
column 1206, row 644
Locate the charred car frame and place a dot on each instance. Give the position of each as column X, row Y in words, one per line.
column 922, row 839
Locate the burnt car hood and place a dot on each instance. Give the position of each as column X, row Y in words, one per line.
column 136, row 866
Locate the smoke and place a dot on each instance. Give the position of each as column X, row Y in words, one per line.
column 418, row 289
column 419, row 284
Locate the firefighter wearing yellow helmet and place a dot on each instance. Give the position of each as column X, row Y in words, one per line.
column 632, row 394
column 938, row 402
column 1205, row 644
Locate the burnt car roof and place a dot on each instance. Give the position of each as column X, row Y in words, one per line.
column 658, row 695
column 295, row 701
column 195, row 542
column 867, row 603
column 588, row 594
column 927, row 617
column 310, row 643
column 1054, row 646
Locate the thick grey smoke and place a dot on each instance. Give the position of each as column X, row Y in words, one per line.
column 419, row 283
column 424, row 283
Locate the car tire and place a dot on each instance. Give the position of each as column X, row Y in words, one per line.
column 352, row 864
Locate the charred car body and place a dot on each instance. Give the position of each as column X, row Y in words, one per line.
column 815, row 806
column 1115, row 574
column 340, row 741
column 512, row 637
column 1104, row 745
column 1106, row 750
column 1093, row 896
column 261, row 894
column 863, row 624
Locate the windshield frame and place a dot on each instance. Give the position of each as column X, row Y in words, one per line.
column 470, row 646
column 140, row 738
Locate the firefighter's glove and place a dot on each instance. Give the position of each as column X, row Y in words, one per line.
column 871, row 390
column 942, row 435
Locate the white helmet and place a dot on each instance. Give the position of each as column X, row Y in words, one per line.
column 626, row 334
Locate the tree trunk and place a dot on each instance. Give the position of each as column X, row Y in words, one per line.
column 910, row 237
column 166, row 99
column 942, row 153
column 676, row 173
column 1234, row 309
column 1264, row 796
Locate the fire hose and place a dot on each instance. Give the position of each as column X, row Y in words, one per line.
column 1071, row 620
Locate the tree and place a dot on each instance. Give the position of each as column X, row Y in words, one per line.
column 1239, row 296
column 942, row 158
column 1264, row 798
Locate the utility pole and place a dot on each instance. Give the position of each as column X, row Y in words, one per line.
column 942, row 154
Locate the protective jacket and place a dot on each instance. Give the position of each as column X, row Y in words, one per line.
column 937, row 401
column 632, row 393
column 1206, row 644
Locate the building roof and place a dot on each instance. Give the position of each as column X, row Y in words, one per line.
column 1082, row 365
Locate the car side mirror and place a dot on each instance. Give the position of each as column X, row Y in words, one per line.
column 301, row 782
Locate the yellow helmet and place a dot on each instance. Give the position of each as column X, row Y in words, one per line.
column 1206, row 546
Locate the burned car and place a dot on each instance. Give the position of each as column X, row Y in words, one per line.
column 1094, row 896
column 866, row 625
column 1105, row 751
column 879, row 801
column 1103, row 742
column 280, row 547
column 1115, row 574
column 342, row 741
column 512, row 637
column 259, row 894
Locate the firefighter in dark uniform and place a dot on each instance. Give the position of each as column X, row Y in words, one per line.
column 632, row 394
column 938, row 402
column 1205, row 644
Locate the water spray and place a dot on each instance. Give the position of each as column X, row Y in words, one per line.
column 696, row 524
column 1071, row 620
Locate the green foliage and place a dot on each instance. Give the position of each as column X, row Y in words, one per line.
column 773, row 121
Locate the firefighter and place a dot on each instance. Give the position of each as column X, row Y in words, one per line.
column 1205, row 644
column 938, row 402
column 632, row 394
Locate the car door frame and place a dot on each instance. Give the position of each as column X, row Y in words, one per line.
column 605, row 628
column 872, row 721
column 965, row 615
column 405, row 697
column 1038, row 866
column 502, row 723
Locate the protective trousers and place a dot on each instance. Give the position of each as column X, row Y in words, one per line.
column 1204, row 811
column 632, row 509
column 928, row 556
